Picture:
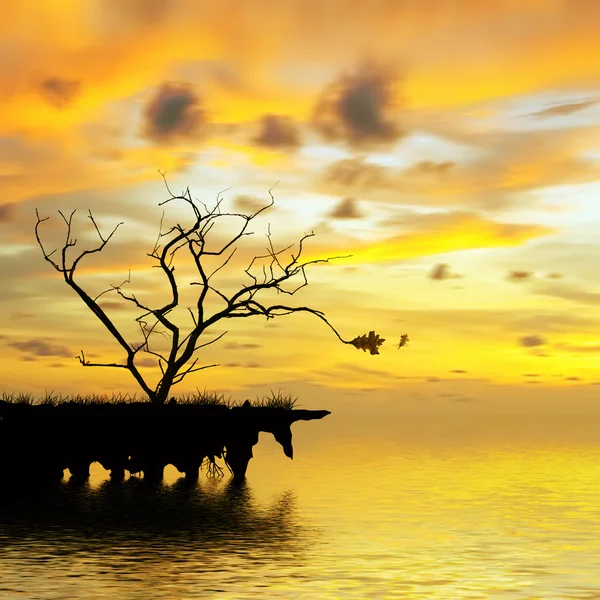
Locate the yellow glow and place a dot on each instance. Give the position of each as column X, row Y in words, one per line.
column 452, row 67
column 469, row 232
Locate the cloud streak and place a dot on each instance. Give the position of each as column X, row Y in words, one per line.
column 443, row 233
column 564, row 110
column 41, row 347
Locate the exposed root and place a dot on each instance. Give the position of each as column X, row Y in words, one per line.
column 226, row 463
column 212, row 468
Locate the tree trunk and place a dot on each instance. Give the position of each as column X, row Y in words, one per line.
column 161, row 395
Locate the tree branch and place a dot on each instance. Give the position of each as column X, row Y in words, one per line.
column 87, row 363
column 179, row 361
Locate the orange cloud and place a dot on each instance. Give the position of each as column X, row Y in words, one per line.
column 112, row 50
column 63, row 75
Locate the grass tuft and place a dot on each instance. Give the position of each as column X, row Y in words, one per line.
column 278, row 400
column 52, row 399
column 204, row 398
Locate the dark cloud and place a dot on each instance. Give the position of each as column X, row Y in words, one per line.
column 148, row 11
column 591, row 348
column 277, row 132
column 434, row 379
column 570, row 293
column 113, row 305
column 365, row 370
column 356, row 172
column 16, row 315
column 236, row 346
column 122, row 17
column 146, row 362
column 572, row 378
column 459, row 371
column 531, row 374
column 428, row 167
column 531, row 341
column 174, row 112
column 358, row 108
column 562, row 110
column 441, row 271
column 519, row 275
column 554, row 276
column 7, row 212
column 59, row 92
column 41, row 348
column 346, row 209
column 249, row 204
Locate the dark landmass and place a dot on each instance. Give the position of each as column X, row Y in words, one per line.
column 39, row 441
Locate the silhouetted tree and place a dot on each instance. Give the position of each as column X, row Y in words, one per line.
column 180, row 360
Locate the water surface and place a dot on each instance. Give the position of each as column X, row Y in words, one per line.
column 350, row 517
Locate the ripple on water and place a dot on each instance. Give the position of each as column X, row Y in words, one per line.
column 516, row 525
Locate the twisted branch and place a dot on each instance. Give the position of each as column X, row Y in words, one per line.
column 179, row 361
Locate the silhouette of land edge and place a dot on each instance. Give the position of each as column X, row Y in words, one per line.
column 39, row 441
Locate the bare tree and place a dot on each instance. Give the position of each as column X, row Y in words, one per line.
column 180, row 361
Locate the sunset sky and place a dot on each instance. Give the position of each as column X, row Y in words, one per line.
column 452, row 148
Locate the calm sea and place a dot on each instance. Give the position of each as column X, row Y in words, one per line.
column 352, row 516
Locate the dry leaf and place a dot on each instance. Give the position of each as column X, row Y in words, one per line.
column 403, row 340
column 369, row 342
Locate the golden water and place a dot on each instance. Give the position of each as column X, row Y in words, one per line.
column 350, row 517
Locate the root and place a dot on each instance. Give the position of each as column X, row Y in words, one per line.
column 212, row 468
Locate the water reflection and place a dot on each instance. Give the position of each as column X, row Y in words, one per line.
column 134, row 540
column 208, row 515
column 393, row 522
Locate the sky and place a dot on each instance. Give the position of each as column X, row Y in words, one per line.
column 451, row 148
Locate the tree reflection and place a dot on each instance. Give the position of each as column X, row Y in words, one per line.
column 214, row 517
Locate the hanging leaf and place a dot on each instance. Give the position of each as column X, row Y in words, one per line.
column 369, row 342
column 403, row 340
